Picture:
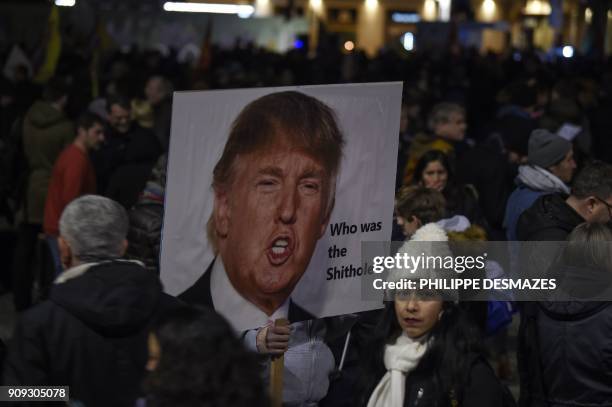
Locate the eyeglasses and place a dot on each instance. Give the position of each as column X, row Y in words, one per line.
column 607, row 206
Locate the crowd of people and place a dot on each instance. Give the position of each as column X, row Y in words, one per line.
column 509, row 147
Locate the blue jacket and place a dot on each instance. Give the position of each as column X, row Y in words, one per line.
column 520, row 200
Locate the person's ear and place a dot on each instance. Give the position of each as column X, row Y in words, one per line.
column 591, row 202
column 221, row 212
column 417, row 220
column 65, row 253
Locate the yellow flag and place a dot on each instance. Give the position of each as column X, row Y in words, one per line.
column 53, row 50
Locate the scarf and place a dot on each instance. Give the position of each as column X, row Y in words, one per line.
column 539, row 179
column 457, row 223
column 400, row 358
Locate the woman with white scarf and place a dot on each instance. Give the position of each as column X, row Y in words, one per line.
column 426, row 350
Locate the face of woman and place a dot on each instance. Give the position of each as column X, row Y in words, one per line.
column 417, row 316
column 434, row 176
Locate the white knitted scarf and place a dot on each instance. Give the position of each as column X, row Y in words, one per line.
column 400, row 359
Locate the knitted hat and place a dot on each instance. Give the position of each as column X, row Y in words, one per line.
column 546, row 149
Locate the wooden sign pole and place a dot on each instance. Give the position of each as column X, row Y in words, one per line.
column 276, row 373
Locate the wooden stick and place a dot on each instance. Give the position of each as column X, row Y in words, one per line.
column 276, row 373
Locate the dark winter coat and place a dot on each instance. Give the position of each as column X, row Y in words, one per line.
column 123, row 163
column 127, row 182
column 482, row 389
column 550, row 218
column 576, row 352
column 565, row 349
column 492, row 176
column 91, row 334
column 162, row 114
column 130, row 176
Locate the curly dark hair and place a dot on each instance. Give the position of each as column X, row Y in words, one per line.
column 202, row 363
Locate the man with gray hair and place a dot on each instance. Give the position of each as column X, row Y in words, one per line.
column 91, row 334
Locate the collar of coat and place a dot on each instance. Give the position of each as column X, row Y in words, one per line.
column 81, row 269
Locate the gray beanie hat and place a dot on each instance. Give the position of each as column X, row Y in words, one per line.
column 546, row 148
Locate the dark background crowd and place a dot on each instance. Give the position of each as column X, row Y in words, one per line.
column 511, row 146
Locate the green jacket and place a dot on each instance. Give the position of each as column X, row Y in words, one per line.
column 46, row 132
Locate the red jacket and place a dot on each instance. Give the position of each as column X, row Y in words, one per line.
column 73, row 175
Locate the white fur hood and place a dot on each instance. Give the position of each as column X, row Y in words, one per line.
column 430, row 232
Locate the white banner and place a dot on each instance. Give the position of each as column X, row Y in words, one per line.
column 271, row 213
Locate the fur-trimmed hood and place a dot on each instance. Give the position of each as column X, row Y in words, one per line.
column 429, row 232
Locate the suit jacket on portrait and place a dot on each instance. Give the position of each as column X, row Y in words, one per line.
column 200, row 294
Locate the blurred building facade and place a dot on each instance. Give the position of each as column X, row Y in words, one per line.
column 368, row 25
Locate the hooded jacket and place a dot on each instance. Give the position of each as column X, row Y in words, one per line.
column 91, row 334
column 46, row 131
column 532, row 182
column 550, row 218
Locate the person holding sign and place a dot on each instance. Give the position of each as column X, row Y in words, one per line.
column 274, row 191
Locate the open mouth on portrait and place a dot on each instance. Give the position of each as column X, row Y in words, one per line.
column 280, row 250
